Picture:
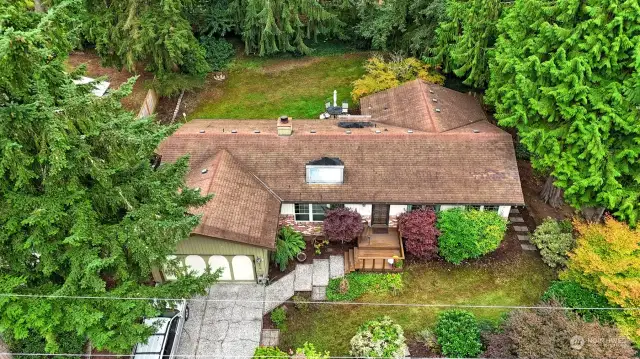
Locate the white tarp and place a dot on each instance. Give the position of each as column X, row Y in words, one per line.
column 99, row 88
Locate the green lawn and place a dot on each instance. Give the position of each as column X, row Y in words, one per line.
column 266, row 88
column 519, row 280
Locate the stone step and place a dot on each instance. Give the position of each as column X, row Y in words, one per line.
column 319, row 293
column 528, row 247
column 521, row 229
column 523, row 237
column 304, row 278
column 270, row 337
column 320, row 272
column 336, row 266
column 514, row 210
column 516, row 219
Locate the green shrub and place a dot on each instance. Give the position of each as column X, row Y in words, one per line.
column 288, row 245
column 301, row 303
column 219, row 52
column 554, row 239
column 171, row 84
column 361, row 283
column 380, row 338
column 458, row 334
column 469, row 234
column 571, row 294
column 69, row 343
column 278, row 317
column 269, row 353
column 309, row 351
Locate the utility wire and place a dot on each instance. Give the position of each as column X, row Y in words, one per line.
column 414, row 305
column 204, row 356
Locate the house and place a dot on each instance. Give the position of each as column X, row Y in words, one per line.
column 415, row 145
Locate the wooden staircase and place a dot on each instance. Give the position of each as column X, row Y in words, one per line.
column 374, row 251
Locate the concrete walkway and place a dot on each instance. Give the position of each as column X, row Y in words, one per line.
column 225, row 329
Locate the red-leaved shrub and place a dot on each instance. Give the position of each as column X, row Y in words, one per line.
column 342, row 224
column 418, row 228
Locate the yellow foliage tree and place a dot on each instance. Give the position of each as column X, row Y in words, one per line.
column 382, row 75
column 607, row 259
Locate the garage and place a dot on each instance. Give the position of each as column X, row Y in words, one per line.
column 234, row 268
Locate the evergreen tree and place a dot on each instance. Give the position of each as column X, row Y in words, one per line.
column 82, row 211
column 466, row 39
column 155, row 33
column 566, row 75
column 270, row 26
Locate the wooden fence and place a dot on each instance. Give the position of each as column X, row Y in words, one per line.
column 148, row 106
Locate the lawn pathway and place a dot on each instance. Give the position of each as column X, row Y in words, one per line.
column 521, row 229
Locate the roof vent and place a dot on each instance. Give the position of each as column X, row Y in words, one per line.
column 430, row 91
column 348, row 132
column 476, row 131
column 437, row 110
column 313, row 131
column 256, row 131
column 204, row 170
column 434, row 99
column 409, row 131
column 234, row 131
column 201, row 131
column 378, row 131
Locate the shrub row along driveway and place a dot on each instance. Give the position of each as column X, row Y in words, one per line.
column 227, row 327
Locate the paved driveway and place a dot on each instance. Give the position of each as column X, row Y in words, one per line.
column 225, row 329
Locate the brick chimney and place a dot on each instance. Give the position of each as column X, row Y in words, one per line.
column 285, row 126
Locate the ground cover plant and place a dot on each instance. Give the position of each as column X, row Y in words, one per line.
column 342, row 224
column 308, row 351
column 380, row 338
column 554, row 239
column 356, row 284
column 458, row 334
column 571, row 294
column 419, row 232
column 518, row 279
column 269, row 352
column 265, row 88
column 469, row 234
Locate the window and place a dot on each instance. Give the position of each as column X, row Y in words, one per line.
column 302, row 212
column 411, row 207
column 311, row 212
column 491, row 208
column 474, row 207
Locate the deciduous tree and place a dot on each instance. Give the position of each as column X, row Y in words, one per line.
column 82, row 211
column 418, row 228
column 566, row 74
column 342, row 224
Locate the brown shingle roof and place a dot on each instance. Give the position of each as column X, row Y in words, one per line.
column 394, row 166
column 412, row 105
column 242, row 208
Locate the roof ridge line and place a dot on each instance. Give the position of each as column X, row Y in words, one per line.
column 267, row 187
column 426, row 104
column 467, row 124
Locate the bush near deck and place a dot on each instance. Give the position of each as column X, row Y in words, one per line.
column 469, row 234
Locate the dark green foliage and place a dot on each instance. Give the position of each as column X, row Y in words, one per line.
column 69, row 343
column 469, row 234
column 269, row 352
column 279, row 317
column 155, row 33
column 219, row 52
column 210, row 18
column 361, row 283
column 566, row 75
column 400, row 25
column 288, row 245
column 571, row 294
column 466, row 38
column 458, row 334
column 270, row 26
column 82, row 211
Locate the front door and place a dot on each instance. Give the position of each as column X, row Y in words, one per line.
column 380, row 215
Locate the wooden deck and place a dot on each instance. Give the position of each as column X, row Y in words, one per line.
column 374, row 250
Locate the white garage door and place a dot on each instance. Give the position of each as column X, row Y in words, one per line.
column 195, row 264
column 216, row 262
column 242, row 268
